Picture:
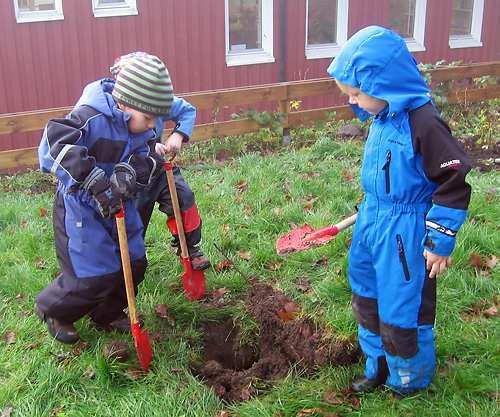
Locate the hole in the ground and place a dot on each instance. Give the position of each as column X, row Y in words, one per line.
column 237, row 372
column 221, row 343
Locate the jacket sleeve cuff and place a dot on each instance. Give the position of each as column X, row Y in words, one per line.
column 184, row 132
column 442, row 224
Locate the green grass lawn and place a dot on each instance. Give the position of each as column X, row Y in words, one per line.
column 246, row 203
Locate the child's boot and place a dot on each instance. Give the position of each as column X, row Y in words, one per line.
column 364, row 384
column 63, row 332
column 199, row 261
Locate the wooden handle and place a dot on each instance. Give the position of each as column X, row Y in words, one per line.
column 177, row 210
column 127, row 269
column 346, row 222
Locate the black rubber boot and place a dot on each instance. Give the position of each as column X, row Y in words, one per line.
column 364, row 384
column 199, row 261
column 62, row 332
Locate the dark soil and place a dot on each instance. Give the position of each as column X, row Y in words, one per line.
column 483, row 157
column 237, row 372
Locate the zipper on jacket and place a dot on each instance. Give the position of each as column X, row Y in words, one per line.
column 386, row 168
column 402, row 257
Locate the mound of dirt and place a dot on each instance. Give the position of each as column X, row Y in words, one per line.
column 237, row 372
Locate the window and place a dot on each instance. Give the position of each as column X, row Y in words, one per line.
column 38, row 10
column 249, row 32
column 407, row 17
column 326, row 27
column 466, row 23
column 108, row 8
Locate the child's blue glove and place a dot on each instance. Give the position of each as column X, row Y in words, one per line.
column 104, row 192
column 124, row 178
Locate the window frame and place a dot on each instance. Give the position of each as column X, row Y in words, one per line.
column 417, row 42
column 329, row 50
column 112, row 10
column 473, row 40
column 264, row 55
column 39, row 15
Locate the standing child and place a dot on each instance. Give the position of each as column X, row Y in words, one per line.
column 98, row 153
column 416, row 199
column 183, row 114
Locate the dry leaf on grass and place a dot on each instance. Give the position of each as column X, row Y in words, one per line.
column 42, row 212
column 9, row 337
column 6, row 412
column 246, row 255
column 223, row 265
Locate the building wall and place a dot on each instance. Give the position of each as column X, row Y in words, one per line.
column 46, row 64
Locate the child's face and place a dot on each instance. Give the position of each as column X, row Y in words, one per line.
column 368, row 103
column 139, row 122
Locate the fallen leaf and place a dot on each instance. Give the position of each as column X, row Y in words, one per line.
column 491, row 312
column 490, row 263
column 176, row 370
column 9, row 337
column 333, row 397
column 56, row 411
column 40, row 263
column 34, row 345
column 289, row 311
column 23, row 224
column 244, row 255
column 242, row 186
column 311, row 411
column 275, row 266
column 89, row 373
column 42, row 212
column 163, row 312
column 219, row 292
column 238, row 199
column 223, row 265
column 223, row 413
column 116, row 350
column 135, row 373
column 303, row 284
column 19, row 296
column 278, row 211
column 346, row 175
column 475, row 260
column 6, row 412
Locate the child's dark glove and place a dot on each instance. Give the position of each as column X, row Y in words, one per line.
column 123, row 178
column 104, row 192
column 146, row 167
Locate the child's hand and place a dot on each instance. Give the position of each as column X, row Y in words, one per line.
column 174, row 143
column 160, row 149
column 436, row 264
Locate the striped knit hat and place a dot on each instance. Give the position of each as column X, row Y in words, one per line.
column 143, row 83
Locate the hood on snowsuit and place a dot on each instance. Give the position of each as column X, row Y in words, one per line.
column 377, row 61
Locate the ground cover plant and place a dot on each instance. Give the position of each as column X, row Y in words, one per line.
column 250, row 190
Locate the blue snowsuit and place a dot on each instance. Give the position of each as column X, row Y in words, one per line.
column 416, row 199
column 94, row 134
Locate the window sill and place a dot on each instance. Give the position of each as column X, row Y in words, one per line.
column 248, row 58
column 42, row 16
column 115, row 11
column 414, row 46
column 464, row 42
column 322, row 51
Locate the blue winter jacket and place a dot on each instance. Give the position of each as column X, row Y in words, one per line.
column 410, row 156
column 95, row 133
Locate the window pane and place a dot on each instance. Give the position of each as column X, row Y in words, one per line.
column 321, row 22
column 402, row 17
column 245, row 25
column 461, row 21
column 36, row 5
